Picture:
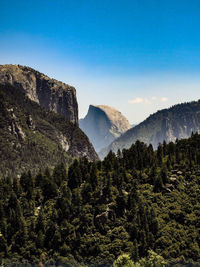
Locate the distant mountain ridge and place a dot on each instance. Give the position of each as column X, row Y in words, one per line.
column 103, row 124
column 48, row 93
column 169, row 124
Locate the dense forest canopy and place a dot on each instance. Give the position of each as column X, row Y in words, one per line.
column 91, row 213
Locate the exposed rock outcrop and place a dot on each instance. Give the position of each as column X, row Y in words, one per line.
column 170, row 124
column 15, row 129
column 63, row 141
column 103, row 124
column 48, row 93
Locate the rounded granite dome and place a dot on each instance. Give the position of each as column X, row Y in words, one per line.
column 116, row 118
column 103, row 124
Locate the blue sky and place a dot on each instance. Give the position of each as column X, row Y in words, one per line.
column 136, row 55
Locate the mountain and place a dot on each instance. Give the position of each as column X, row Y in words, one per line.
column 49, row 93
column 170, row 124
column 103, row 124
column 32, row 137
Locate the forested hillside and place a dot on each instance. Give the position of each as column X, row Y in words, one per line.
column 92, row 212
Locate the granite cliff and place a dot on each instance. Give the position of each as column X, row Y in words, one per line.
column 48, row 93
column 33, row 138
column 177, row 122
column 103, row 124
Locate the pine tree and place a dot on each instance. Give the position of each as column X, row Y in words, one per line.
column 74, row 175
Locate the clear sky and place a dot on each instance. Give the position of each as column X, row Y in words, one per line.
column 135, row 55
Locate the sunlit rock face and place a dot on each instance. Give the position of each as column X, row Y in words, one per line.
column 49, row 93
column 103, row 124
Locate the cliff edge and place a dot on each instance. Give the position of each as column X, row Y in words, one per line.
column 48, row 93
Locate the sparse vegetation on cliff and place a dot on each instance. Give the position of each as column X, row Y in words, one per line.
column 32, row 138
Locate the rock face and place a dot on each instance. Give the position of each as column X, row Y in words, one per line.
column 103, row 124
column 48, row 93
column 33, row 138
column 178, row 121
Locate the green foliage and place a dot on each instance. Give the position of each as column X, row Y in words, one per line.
column 134, row 204
column 123, row 261
column 152, row 260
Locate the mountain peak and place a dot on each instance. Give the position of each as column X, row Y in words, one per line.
column 103, row 124
column 116, row 117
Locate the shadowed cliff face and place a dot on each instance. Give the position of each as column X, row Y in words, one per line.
column 48, row 93
column 177, row 122
column 103, row 124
